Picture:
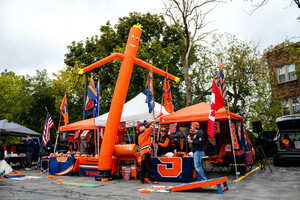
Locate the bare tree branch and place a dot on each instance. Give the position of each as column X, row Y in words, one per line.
column 188, row 17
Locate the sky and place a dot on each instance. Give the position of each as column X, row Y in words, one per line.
column 34, row 34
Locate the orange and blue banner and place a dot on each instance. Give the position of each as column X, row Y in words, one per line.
column 64, row 109
column 238, row 139
column 61, row 166
column 91, row 96
column 221, row 81
column 168, row 101
column 149, row 92
column 97, row 100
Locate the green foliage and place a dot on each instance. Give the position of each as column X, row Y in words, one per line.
column 23, row 99
column 69, row 80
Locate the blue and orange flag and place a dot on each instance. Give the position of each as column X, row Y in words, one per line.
column 221, row 81
column 64, row 109
column 97, row 100
column 168, row 101
column 149, row 92
column 92, row 94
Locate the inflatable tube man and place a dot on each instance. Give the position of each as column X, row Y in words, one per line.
column 118, row 100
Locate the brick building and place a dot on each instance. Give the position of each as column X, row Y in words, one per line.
column 284, row 67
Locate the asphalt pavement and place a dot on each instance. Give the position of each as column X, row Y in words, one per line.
column 283, row 183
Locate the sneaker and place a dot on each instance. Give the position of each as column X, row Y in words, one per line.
column 154, row 182
column 142, row 182
column 26, row 169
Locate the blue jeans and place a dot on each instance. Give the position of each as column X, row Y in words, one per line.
column 198, row 165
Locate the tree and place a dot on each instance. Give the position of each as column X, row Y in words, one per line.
column 188, row 18
column 246, row 77
column 258, row 4
column 14, row 93
column 70, row 80
column 24, row 98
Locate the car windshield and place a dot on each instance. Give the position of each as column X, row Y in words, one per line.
column 290, row 140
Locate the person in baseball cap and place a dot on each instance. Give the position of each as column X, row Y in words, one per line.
column 197, row 148
column 164, row 145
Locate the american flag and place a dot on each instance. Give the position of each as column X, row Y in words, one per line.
column 221, row 81
column 48, row 125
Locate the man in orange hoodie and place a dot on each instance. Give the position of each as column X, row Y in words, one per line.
column 145, row 152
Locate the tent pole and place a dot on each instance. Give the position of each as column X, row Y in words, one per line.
column 57, row 132
column 85, row 84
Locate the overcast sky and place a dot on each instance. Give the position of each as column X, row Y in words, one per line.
column 34, row 34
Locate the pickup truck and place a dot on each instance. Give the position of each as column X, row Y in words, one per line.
column 21, row 147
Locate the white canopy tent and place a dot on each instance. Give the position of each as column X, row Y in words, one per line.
column 134, row 111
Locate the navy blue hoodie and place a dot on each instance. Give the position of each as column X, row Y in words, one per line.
column 198, row 145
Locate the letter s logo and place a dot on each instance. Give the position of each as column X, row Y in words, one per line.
column 170, row 167
column 172, row 128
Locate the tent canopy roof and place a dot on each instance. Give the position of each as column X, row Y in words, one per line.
column 133, row 111
column 80, row 125
column 197, row 112
column 9, row 128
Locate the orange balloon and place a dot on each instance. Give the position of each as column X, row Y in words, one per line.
column 118, row 100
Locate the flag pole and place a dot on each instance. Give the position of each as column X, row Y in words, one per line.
column 57, row 133
column 230, row 128
column 95, row 134
column 231, row 132
column 153, row 112
column 98, row 100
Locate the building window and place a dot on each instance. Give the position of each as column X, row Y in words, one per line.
column 295, row 105
column 291, row 106
column 286, row 73
column 291, row 72
column 286, row 107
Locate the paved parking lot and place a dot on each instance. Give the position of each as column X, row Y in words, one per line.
column 283, row 183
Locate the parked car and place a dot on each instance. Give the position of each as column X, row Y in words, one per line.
column 21, row 147
column 288, row 140
column 267, row 141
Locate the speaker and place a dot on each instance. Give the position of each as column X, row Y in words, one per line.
column 256, row 126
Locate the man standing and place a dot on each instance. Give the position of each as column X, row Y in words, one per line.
column 197, row 149
column 145, row 152
column 2, row 155
column 29, row 152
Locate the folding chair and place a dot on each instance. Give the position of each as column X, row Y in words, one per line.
column 217, row 160
column 45, row 164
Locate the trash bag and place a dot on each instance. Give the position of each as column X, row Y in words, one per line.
column 4, row 168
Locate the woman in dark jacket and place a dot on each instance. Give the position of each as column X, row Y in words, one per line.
column 43, row 152
column 1, row 152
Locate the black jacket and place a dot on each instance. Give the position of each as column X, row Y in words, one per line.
column 43, row 151
column 198, row 145
column 1, row 152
